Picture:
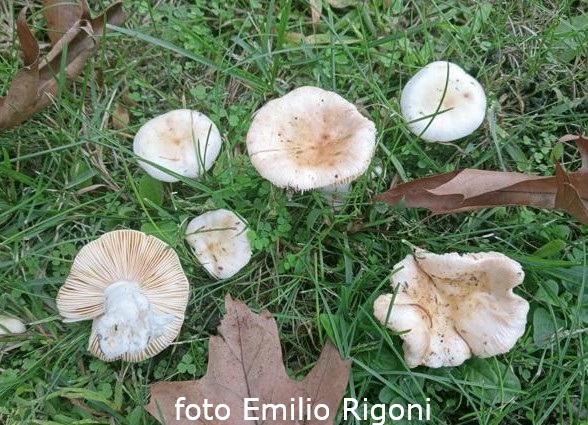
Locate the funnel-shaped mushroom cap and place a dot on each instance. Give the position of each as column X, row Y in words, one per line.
column 442, row 102
column 454, row 306
column 183, row 141
column 310, row 138
column 132, row 285
column 219, row 242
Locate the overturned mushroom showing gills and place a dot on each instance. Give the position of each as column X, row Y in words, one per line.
column 442, row 102
column 133, row 288
column 219, row 241
column 183, row 141
column 452, row 306
column 310, row 138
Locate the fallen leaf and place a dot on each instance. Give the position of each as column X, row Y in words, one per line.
column 472, row 189
column 33, row 86
column 120, row 117
column 60, row 16
column 316, row 7
column 245, row 361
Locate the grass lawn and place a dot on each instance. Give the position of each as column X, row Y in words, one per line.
column 68, row 175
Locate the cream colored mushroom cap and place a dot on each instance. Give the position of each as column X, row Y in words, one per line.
column 310, row 138
column 11, row 325
column 219, row 241
column 126, row 255
column 454, row 306
column 442, row 102
column 183, row 141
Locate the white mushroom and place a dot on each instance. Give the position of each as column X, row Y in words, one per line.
column 11, row 325
column 219, row 241
column 442, row 102
column 133, row 287
column 183, row 141
column 310, row 138
column 452, row 306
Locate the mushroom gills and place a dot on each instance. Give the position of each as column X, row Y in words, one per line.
column 128, row 322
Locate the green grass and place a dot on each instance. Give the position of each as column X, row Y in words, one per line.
column 66, row 177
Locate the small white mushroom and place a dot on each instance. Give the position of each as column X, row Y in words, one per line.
column 219, row 241
column 452, row 306
column 133, row 287
column 11, row 325
column 183, row 141
column 310, row 138
column 442, row 102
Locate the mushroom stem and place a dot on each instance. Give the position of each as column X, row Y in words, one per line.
column 335, row 195
column 128, row 322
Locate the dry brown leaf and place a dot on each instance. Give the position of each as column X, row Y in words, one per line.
column 120, row 117
column 60, row 16
column 245, row 361
column 471, row 189
column 32, row 86
column 316, row 6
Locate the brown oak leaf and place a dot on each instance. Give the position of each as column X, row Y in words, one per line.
column 472, row 189
column 245, row 361
column 33, row 86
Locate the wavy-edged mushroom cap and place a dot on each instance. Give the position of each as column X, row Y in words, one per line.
column 454, row 306
column 310, row 138
column 183, row 141
column 133, row 287
column 219, row 241
column 442, row 102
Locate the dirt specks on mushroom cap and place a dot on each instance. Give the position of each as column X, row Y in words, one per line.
column 310, row 138
column 454, row 306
